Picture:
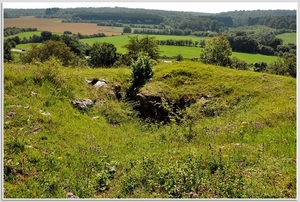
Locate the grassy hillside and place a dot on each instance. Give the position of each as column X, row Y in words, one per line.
column 237, row 140
column 288, row 38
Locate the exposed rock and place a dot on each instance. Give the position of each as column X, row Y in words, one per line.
column 97, row 83
column 33, row 93
column 10, row 114
column 82, row 103
column 35, row 128
column 45, row 113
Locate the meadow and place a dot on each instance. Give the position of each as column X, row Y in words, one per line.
column 170, row 51
column 288, row 38
column 237, row 140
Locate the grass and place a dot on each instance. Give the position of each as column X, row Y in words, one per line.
column 171, row 51
column 288, row 38
column 242, row 144
column 186, row 52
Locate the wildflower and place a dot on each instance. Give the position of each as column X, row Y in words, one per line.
column 13, row 170
column 243, row 124
column 69, row 194
column 172, row 120
column 59, row 158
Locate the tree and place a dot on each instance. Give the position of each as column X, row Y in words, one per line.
column 147, row 44
column 217, row 51
column 7, row 51
column 126, row 29
column 73, row 42
column 103, row 54
column 46, row 35
column 50, row 49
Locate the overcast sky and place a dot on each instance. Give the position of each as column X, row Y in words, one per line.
column 207, row 7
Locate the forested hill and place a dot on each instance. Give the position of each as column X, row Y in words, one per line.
column 278, row 19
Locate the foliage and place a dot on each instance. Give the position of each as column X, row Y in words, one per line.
column 126, row 29
column 46, row 35
column 141, row 70
column 243, row 43
column 103, row 54
column 147, row 44
column 286, row 65
column 135, row 17
column 51, row 49
column 238, row 64
column 217, row 51
column 76, row 46
column 8, row 31
column 179, row 57
column 7, row 56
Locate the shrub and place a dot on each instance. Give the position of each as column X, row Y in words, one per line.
column 179, row 57
column 141, row 70
column 238, row 64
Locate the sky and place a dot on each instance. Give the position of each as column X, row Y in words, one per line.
column 206, row 7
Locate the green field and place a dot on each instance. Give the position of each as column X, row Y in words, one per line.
column 170, row 51
column 186, row 52
column 237, row 139
column 288, row 38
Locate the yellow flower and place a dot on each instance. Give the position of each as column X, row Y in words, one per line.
column 59, row 158
column 243, row 124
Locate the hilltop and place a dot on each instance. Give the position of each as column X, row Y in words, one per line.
column 199, row 131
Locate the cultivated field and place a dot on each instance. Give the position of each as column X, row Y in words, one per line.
column 55, row 25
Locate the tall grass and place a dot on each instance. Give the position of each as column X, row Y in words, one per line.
column 244, row 148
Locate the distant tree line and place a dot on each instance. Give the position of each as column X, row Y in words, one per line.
column 276, row 22
column 15, row 30
column 47, row 35
column 136, row 18
column 52, row 11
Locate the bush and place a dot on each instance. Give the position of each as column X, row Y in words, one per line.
column 141, row 70
column 238, row 64
column 179, row 57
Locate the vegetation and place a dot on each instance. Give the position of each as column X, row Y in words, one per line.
column 103, row 54
column 147, row 44
column 7, row 52
column 217, row 51
column 50, row 49
column 141, row 70
column 213, row 127
column 239, row 144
